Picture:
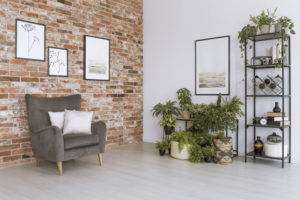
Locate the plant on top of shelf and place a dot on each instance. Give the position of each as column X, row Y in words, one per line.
column 283, row 26
column 184, row 96
column 167, row 112
column 244, row 35
column 264, row 20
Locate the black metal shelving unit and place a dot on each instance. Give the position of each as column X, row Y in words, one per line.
column 284, row 96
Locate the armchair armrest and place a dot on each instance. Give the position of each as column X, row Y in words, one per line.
column 48, row 144
column 99, row 128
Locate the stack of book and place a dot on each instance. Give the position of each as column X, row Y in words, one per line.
column 276, row 119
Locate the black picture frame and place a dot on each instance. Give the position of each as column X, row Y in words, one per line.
column 67, row 56
column 17, row 45
column 85, row 58
column 228, row 63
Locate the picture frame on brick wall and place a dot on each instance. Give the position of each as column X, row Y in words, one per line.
column 30, row 40
column 57, row 61
column 96, row 58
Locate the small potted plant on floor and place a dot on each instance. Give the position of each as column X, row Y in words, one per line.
column 168, row 112
column 185, row 101
column 264, row 20
column 162, row 146
column 180, row 143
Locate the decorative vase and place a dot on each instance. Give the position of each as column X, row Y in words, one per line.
column 274, row 138
column 162, row 152
column 276, row 109
column 186, row 114
column 183, row 155
column 224, row 152
column 258, row 145
column 278, row 27
column 264, row 29
column 169, row 130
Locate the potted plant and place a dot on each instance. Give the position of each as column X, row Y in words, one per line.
column 283, row 26
column 167, row 112
column 185, row 101
column 243, row 36
column 202, row 149
column 264, row 20
column 162, row 146
column 180, row 143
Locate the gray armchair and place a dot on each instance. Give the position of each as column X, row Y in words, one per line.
column 48, row 142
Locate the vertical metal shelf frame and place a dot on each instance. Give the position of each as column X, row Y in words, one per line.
column 283, row 96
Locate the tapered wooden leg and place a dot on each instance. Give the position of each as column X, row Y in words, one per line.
column 100, row 158
column 60, row 170
column 38, row 162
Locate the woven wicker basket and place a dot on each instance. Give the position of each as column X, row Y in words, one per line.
column 183, row 155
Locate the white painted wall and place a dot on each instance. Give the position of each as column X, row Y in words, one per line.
column 170, row 29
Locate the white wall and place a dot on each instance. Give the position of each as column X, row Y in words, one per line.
column 170, row 29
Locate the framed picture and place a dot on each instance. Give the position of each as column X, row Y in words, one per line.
column 212, row 66
column 96, row 58
column 30, row 40
column 57, row 61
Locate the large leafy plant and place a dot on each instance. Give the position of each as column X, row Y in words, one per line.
column 167, row 112
column 184, row 97
column 183, row 138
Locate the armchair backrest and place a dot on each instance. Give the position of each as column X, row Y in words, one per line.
column 37, row 109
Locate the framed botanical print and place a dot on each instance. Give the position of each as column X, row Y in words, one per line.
column 57, row 61
column 30, row 40
column 212, row 66
column 96, row 58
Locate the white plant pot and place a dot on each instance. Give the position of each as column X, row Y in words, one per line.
column 183, row 155
column 275, row 150
column 264, row 29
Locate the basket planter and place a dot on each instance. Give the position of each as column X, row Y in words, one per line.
column 186, row 114
column 224, row 152
column 183, row 155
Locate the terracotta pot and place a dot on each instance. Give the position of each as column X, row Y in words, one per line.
column 224, row 152
column 183, row 155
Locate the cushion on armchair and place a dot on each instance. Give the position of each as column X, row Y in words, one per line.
column 77, row 122
column 72, row 141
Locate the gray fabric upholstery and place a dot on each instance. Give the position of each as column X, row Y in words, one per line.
column 48, row 142
column 72, row 141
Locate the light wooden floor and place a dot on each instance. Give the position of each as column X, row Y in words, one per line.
column 137, row 172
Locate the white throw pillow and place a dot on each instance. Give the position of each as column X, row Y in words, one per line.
column 57, row 119
column 77, row 122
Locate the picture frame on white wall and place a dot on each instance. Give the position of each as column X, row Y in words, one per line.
column 96, row 58
column 57, row 61
column 30, row 40
column 212, row 66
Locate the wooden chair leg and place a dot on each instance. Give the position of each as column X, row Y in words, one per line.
column 38, row 161
column 60, row 170
column 100, row 158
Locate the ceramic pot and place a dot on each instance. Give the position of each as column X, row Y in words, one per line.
column 162, row 152
column 258, row 145
column 186, row 114
column 264, row 29
column 224, row 152
column 183, row 155
column 276, row 109
column 278, row 27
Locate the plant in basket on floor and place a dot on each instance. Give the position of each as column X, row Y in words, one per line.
column 168, row 112
column 185, row 101
column 180, row 143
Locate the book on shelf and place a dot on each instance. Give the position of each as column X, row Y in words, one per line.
column 272, row 114
column 279, row 119
column 286, row 123
column 278, row 123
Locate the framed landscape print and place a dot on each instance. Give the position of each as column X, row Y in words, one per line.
column 57, row 61
column 96, row 58
column 212, row 66
column 30, row 40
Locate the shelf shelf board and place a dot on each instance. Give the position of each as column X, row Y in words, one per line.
column 265, row 66
column 265, row 126
column 184, row 119
column 263, row 37
column 265, row 95
column 266, row 157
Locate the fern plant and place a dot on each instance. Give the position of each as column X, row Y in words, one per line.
column 183, row 138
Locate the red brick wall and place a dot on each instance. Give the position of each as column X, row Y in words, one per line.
column 118, row 102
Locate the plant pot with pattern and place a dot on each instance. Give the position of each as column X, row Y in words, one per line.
column 223, row 148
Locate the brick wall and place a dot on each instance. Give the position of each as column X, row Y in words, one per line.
column 118, row 102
